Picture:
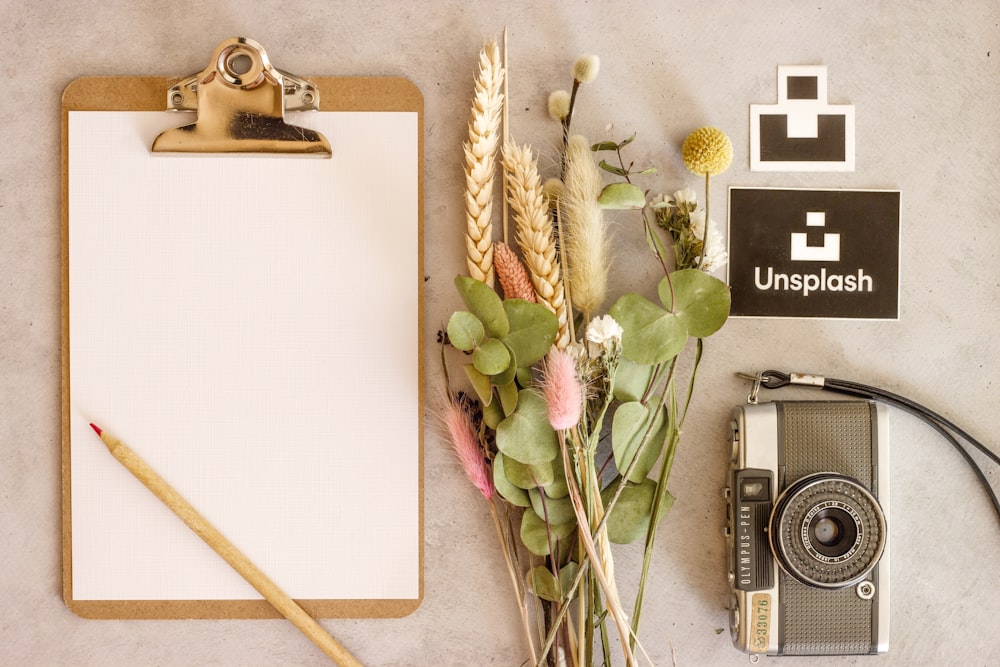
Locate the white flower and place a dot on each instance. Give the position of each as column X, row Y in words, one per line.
column 603, row 333
column 715, row 249
column 685, row 200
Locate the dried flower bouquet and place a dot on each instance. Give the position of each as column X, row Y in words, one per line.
column 548, row 379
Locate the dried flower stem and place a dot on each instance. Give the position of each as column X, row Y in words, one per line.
column 535, row 233
column 515, row 579
column 610, row 593
column 480, row 163
column 506, row 97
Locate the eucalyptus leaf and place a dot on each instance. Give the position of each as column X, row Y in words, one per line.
column 513, row 494
column 700, row 300
column 484, row 304
column 604, row 146
column 523, row 376
column 628, row 141
column 493, row 414
column 508, row 397
column 558, row 488
column 465, row 331
column 544, row 584
column 622, row 196
column 630, row 517
column 558, row 510
column 566, row 576
column 528, row 476
column 651, row 335
column 491, row 357
column 535, row 532
column 632, row 380
column 647, row 171
column 526, row 435
column 507, row 375
column 630, row 424
column 618, row 171
column 480, row 383
column 533, row 329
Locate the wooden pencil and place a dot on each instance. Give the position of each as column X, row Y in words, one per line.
column 285, row 605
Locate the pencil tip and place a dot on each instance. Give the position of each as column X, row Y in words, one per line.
column 97, row 429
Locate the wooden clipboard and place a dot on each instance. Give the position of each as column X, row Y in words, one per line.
column 354, row 502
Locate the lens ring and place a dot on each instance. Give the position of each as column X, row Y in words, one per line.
column 827, row 531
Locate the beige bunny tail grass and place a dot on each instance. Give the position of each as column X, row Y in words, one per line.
column 480, row 163
column 535, row 233
column 583, row 227
column 511, row 273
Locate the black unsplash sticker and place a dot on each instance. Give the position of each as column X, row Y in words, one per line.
column 814, row 253
column 802, row 132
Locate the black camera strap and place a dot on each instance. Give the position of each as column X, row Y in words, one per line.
column 951, row 432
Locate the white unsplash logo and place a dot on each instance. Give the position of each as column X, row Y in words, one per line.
column 803, row 252
column 807, row 283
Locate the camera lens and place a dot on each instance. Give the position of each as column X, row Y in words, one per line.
column 827, row 531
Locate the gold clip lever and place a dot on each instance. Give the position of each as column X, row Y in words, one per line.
column 241, row 102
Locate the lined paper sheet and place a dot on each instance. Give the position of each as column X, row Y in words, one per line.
column 249, row 327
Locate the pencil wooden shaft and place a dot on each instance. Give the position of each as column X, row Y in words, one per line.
column 222, row 546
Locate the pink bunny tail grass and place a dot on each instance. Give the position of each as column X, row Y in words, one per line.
column 467, row 449
column 562, row 389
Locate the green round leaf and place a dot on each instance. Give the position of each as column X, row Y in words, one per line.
column 622, row 196
column 533, row 329
column 629, row 519
column 700, row 301
column 508, row 397
column 631, row 380
column 491, row 357
column 493, row 414
column 558, row 510
column 507, row 375
column 566, row 576
column 513, row 494
column 544, row 584
column 484, row 304
column 535, row 532
column 480, row 383
column 651, row 334
column 558, row 488
column 630, row 424
column 465, row 331
column 527, row 476
column 527, row 435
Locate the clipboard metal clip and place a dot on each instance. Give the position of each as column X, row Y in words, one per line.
column 241, row 101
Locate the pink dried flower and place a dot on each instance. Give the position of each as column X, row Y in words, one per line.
column 562, row 389
column 466, row 444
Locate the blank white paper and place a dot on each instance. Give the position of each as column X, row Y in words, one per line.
column 249, row 327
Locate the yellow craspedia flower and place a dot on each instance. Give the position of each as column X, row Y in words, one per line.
column 707, row 150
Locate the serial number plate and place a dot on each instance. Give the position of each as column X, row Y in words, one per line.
column 760, row 622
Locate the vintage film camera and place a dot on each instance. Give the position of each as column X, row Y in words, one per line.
column 808, row 505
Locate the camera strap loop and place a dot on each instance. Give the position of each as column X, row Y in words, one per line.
column 956, row 436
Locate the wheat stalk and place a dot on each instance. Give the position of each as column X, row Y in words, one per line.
column 480, row 163
column 583, row 228
column 535, row 233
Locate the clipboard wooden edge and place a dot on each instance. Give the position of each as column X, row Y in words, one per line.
column 148, row 94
